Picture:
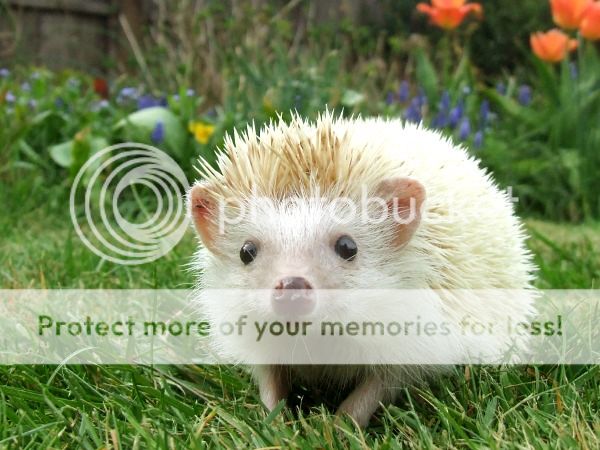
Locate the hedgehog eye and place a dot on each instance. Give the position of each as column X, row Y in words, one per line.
column 346, row 248
column 248, row 252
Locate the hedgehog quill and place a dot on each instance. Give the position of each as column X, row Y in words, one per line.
column 294, row 248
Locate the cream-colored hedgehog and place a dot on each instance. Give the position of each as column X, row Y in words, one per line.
column 448, row 227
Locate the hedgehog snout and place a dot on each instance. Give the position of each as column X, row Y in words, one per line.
column 293, row 296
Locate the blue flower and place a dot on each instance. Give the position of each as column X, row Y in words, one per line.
column 501, row 88
column 4, row 72
column 413, row 112
column 25, row 87
column 147, row 101
column 484, row 112
column 465, row 129
column 404, row 91
column 9, row 97
column 32, row 103
column 456, row 114
column 445, row 102
column 440, row 120
column 478, row 139
column 573, row 70
column 422, row 98
column 524, row 95
column 127, row 93
column 389, row 98
column 190, row 92
column 158, row 133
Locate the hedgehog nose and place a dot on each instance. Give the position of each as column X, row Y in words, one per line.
column 293, row 296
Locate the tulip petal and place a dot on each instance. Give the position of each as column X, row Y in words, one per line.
column 590, row 25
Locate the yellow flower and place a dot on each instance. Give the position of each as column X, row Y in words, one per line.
column 201, row 131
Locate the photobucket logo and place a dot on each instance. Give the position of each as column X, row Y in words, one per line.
column 109, row 181
column 365, row 209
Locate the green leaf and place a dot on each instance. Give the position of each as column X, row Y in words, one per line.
column 513, row 109
column 426, row 75
column 547, row 81
column 61, row 154
column 351, row 98
column 139, row 126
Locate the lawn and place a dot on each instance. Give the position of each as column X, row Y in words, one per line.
column 204, row 406
column 492, row 76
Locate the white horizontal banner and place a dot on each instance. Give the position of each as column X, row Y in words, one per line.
column 426, row 327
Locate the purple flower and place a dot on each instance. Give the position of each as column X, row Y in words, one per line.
column 456, row 114
column 573, row 70
column 478, row 139
column 413, row 112
column 440, row 120
column 445, row 102
column 32, row 103
column 422, row 98
column 147, row 101
column 464, row 130
column 9, row 97
column 25, row 87
column 389, row 98
column 524, row 95
column 501, row 88
column 404, row 91
column 484, row 112
column 158, row 133
column 190, row 92
column 126, row 94
column 4, row 72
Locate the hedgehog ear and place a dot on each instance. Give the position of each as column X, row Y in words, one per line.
column 203, row 209
column 404, row 198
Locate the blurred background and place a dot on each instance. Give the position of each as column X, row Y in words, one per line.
column 81, row 67
column 517, row 83
column 77, row 76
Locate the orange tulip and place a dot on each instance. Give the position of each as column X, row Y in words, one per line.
column 568, row 13
column 449, row 14
column 590, row 25
column 552, row 46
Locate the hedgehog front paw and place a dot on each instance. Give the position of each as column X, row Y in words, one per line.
column 362, row 403
column 273, row 385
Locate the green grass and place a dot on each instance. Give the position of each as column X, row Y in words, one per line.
column 212, row 406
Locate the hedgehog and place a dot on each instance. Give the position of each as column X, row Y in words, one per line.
column 452, row 229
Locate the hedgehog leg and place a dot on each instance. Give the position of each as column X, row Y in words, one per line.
column 273, row 384
column 363, row 401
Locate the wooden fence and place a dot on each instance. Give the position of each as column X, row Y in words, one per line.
column 78, row 34
column 90, row 35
